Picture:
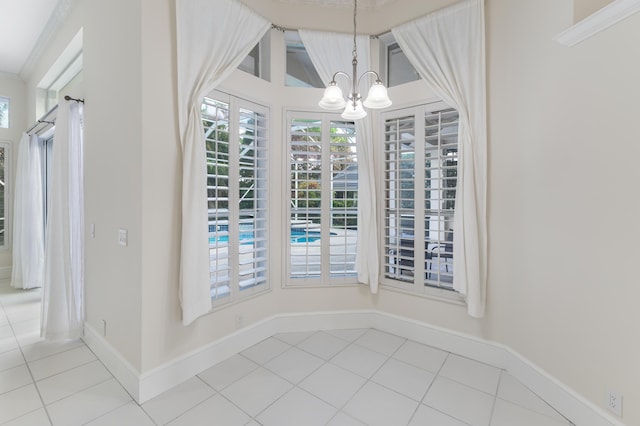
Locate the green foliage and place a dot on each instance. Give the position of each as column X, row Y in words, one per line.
column 4, row 112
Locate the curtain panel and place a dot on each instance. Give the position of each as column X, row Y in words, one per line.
column 213, row 37
column 447, row 48
column 331, row 52
column 63, row 290
column 28, row 211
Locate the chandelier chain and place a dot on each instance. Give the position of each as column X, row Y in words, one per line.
column 355, row 46
column 353, row 105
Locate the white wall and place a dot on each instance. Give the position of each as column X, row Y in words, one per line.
column 563, row 208
column 111, row 85
column 113, row 171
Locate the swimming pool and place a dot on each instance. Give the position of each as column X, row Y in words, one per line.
column 298, row 235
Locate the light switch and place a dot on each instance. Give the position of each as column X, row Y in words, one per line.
column 123, row 238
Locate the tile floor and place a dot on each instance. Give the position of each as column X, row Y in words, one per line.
column 339, row 377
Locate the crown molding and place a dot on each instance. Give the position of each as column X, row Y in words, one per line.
column 53, row 25
column 10, row 76
column 598, row 21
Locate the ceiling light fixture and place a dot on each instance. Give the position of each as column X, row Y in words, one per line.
column 353, row 106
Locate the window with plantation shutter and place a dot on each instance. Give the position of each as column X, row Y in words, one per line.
column 323, row 182
column 420, row 165
column 236, row 148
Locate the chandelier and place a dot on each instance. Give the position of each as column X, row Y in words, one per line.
column 353, row 106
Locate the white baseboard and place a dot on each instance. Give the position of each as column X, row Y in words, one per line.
column 152, row 383
column 5, row 273
column 122, row 370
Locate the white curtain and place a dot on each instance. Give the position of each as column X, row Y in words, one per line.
column 28, row 212
column 63, row 291
column 213, row 37
column 447, row 49
column 331, row 52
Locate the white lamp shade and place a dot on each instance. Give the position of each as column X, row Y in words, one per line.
column 332, row 98
column 377, row 97
column 354, row 113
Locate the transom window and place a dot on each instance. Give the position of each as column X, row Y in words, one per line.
column 420, row 178
column 4, row 112
column 236, row 147
column 323, row 182
column 300, row 69
column 257, row 62
column 395, row 67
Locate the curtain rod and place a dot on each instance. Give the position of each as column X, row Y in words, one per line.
column 69, row 98
column 283, row 29
column 43, row 120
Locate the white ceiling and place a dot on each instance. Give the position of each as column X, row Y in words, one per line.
column 21, row 23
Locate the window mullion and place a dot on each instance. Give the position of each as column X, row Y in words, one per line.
column 325, row 206
column 234, row 213
column 419, row 204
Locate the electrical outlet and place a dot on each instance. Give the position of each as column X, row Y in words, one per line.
column 614, row 402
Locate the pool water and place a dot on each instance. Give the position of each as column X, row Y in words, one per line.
column 297, row 236
column 304, row 236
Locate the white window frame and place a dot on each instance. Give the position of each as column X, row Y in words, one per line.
column 325, row 278
column 418, row 286
column 235, row 292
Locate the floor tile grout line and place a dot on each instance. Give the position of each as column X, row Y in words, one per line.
column 28, row 412
column 534, row 393
column 303, row 378
column 33, row 380
column 524, row 407
column 80, row 344
column 79, row 390
column 117, row 381
column 187, row 410
column 236, row 405
column 56, row 353
column 85, row 422
column 69, row 369
column 493, row 405
column 462, row 384
column 14, row 366
column 325, row 361
column 435, row 376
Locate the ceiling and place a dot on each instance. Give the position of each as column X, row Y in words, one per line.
column 21, row 24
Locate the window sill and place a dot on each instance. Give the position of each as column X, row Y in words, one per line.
column 441, row 295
